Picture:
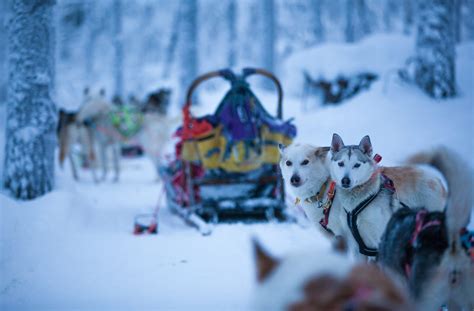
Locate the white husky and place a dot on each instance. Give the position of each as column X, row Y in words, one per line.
column 367, row 191
column 305, row 170
column 104, row 136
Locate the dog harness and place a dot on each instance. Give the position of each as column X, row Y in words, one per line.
column 318, row 197
column 385, row 185
column 420, row 225
column 326, row 206
column 467, row 242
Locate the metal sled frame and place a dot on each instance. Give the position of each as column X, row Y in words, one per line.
column 203, row 215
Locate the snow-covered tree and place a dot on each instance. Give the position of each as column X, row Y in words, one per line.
column 317, row 24
column 93, row 30
column 468, row 21
column 269, row 34
column 365, row 20
column 31, row 113
column 118, row 48
column 189, row 45
column 407, row 16
column 172, row 42
column 349, row 31
column 359, row 20
column 457, row 19
column 71, row 23
column 3, row 51
column 232, row 30
column 435, row 49
column 387, row 14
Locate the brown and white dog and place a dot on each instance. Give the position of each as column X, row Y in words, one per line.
column 433, row 251
column 72, row 134
column 323, row 281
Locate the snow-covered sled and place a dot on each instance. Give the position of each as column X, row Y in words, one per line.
column 226, row 164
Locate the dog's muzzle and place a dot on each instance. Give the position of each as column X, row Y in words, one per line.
column 346, row 182
column 295, row 181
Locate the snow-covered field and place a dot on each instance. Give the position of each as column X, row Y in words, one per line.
column 73, row 248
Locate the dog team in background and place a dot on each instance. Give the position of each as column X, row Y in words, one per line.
column 100, row 130
column 405, row 227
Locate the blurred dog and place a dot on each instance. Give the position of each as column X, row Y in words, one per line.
column 323, row 281
column 433, row 251
column 305, row 170
column 367, row 191
column 95, row 114
column 70, row 133
column 157, row 126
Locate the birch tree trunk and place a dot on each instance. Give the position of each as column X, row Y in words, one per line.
column 189, row 52
column 31, row 113
column 268, row 41
column 232, row 30
column 118, row 47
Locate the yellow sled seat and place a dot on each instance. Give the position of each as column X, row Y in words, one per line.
column 213, row 151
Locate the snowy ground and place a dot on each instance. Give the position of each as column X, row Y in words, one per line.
column 73, row 248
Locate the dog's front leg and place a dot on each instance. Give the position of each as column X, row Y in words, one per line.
column 73, row 167
column 116, row 156
column 103, row 160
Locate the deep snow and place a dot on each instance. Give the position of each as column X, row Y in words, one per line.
column 73, row 248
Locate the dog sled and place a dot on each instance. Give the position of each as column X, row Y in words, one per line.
column 225, row 167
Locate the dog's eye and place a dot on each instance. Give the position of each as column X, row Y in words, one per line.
column 288, row 163
column 305, row 162
column 356, row 165
column 341, row 164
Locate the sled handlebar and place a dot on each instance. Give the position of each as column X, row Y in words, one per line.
column 230, row 76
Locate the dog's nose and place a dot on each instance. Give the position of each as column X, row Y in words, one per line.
column 346, row 182
column 295, row 180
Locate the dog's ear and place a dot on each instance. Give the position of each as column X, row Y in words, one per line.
column 264, row 262
column 336, row 143
column 321, row 152
column 281, row 148
column 365, row 145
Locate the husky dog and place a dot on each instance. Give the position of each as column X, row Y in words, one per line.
column 157, row 126
column 95, row 114
column 431, row 250
column 305, row 170
column 367, row 192
column 322, row 281
column 70, row 133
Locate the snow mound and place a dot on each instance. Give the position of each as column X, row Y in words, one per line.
column 378, row 54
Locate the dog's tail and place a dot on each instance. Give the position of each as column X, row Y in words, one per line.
column 459, row 177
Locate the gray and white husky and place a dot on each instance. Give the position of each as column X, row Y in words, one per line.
column 367, row 192
column 431, row 250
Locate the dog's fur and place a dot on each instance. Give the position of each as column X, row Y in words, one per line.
column 323, row 281
column 441, row 271
column 357, row 177
column 70, row 133
column 103, row 134
column 157, row 126
column 305, row 169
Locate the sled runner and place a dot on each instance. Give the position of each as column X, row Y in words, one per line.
column 226, row 164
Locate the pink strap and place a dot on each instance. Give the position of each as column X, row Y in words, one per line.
column 420, row 217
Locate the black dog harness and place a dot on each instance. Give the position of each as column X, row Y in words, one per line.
column 387, row 185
